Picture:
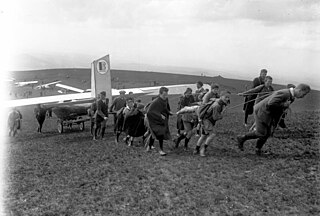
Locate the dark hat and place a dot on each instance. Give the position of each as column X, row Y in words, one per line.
column 122, row 92
column 103, row 93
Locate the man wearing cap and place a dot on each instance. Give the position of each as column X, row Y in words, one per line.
column 214, row 93
column 158, row 119
column 101, row 115
column 117, row 104
column 267, row 110
column 250, row 100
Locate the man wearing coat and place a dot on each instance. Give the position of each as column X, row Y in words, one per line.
column 117, row 104
column 266, row 111
column 91, row 112
column 250, row 100
column 101, row 115
column 40, row 113
column 261, row 91
column 158, row 119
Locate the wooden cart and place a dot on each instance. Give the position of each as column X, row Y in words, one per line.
column 79, row 121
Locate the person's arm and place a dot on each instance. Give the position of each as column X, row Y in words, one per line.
column 112, row 105
column 168, row 106
column 256, row 82
column 191, row 109
column 278, row 100
column 107, row 104
column 20, row 115
column 205, row 98
column 99, row 111
column 192, row 100
column 250, row 91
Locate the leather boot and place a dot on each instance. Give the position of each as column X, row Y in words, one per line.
column 177, row 141
column 186, row 141
column 242, row 139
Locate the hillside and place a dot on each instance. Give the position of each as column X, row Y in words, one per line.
column 80, row 78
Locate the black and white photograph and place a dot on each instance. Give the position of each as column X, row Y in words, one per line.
column 160, row 107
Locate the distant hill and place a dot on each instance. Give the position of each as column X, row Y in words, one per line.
column 80, row 78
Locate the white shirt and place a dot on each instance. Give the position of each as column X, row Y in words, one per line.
column 291, row 92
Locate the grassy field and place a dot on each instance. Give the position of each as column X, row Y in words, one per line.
column 69, row 174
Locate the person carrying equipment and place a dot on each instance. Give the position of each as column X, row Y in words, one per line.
column 209, row 114
column 189, row 120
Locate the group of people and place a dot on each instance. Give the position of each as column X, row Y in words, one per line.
column 269, row 108
column 197, row 114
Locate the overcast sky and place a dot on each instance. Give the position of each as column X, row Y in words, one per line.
column 240, row 36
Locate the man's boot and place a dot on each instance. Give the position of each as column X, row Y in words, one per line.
column 259, row 145
column 186, row 141
column 178, row 140
column 103, row 130
column 203, row 151
column 196, row 150
column 117, row 136
column 242, row 139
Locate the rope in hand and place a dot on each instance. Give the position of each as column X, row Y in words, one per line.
column 241, row 104
column 248, row 94
column 267, row 93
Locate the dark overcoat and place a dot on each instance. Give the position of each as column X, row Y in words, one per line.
column 134, row 123
column 269, row 109
column 159, row 127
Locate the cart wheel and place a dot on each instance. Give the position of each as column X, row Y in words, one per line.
column 81, row 126
column 60, row 127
